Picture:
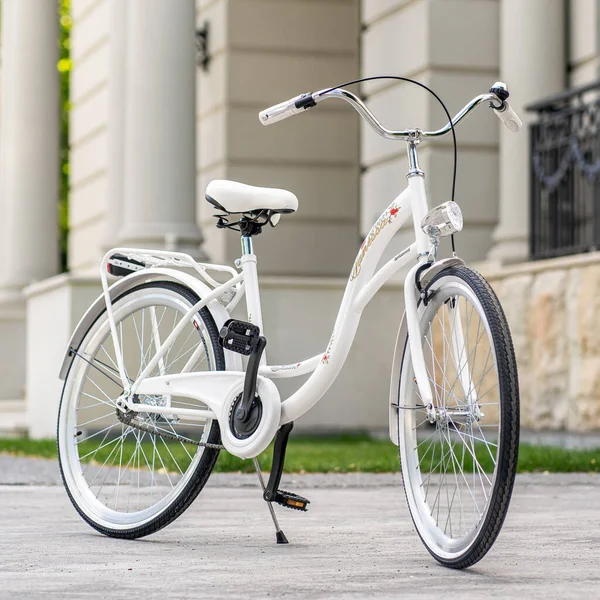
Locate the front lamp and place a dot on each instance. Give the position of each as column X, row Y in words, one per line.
column 442, row 220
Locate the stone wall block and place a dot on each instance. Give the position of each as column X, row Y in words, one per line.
column 584, row 340
column 514, row 294
column 588, row 311
column 585, row 415
column 549, row 367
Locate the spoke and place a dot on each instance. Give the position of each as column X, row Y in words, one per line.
column 84, row 471
column 151, row 469
column 100, row 389
column 472, row 452
column 119, row 477
column 169, row 451
column 96, row 419
column 431, row 470
column 166, row 357
column 487, row 444
column 434, row 469
column 100, row 401
column 476, row 439
column 460, row 372
column 182, row 354
column 457, row 488
column 466, row 482
column 116, row 367
column 419, row 424
column 423, row 441
column 104, row 464
column 89, row 437
column 120, row 467
column 444, row 353
column 455, row 461
column 161, row 460
column 95, row 367
column 180, row 442
column 474, row 389
column 137, row 335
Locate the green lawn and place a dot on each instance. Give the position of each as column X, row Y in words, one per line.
column 338, row 454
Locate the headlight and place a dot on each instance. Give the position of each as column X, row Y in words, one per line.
column 442, row 220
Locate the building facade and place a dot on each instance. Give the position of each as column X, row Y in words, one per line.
column 152, row 122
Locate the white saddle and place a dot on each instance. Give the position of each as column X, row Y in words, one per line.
column 234, row 197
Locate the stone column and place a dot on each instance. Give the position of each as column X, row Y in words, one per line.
column 116, row 121
column 532, row 63
column 29, row 162
column 29, row 179
column 160, row 130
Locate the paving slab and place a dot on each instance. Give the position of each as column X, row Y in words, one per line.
column 356, row 541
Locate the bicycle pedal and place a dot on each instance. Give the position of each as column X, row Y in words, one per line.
column 290, row 500
column 239, row 336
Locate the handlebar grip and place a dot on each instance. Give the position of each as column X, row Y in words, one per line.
column 509, row 117
column 286, row 109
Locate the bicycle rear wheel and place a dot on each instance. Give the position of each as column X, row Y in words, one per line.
column 459, row 455
column 130, row 478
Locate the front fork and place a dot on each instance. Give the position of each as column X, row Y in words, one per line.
column 458, row 347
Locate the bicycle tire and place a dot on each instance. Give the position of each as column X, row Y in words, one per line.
column 204, row 466
column 488, row 527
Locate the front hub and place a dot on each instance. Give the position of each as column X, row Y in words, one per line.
column 443, row 416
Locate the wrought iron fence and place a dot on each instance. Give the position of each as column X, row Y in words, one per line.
column 565, row 173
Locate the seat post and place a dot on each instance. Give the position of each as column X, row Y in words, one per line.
column 247, row 247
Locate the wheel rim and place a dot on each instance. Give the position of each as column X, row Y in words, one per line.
column 118, row 475
column 449, row 467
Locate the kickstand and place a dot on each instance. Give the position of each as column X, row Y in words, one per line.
column 281, row 539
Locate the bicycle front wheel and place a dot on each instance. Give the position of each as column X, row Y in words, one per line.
column 130, row 475
column 459, row 454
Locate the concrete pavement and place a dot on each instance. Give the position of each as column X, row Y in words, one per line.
column 356, row 541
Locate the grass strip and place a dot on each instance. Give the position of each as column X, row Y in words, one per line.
column 333, row 454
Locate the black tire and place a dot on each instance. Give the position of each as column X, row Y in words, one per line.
column 205, row 465
column 508, row 437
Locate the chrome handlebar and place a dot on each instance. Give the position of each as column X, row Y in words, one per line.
column 307, row 101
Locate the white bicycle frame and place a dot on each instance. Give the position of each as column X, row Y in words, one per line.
column 212, row 388
column 362, row 285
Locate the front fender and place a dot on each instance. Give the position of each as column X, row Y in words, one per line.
column 217, row 310
column 395, row 381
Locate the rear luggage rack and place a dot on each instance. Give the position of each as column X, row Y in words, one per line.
column 121, row 262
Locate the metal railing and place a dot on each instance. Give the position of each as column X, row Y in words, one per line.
column 565, row 173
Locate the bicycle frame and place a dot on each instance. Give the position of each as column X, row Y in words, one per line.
column 363, row 284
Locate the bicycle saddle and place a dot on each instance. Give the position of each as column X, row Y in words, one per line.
column 233, row 197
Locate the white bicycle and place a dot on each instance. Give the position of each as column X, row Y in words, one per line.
column 155, row 384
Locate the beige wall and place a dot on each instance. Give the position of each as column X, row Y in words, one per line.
column 583, row 42
column 263, row 52
column 453, row 47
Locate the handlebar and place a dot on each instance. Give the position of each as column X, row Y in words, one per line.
column 497, row 97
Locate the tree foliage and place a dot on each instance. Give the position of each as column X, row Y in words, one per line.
column 64, row 69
